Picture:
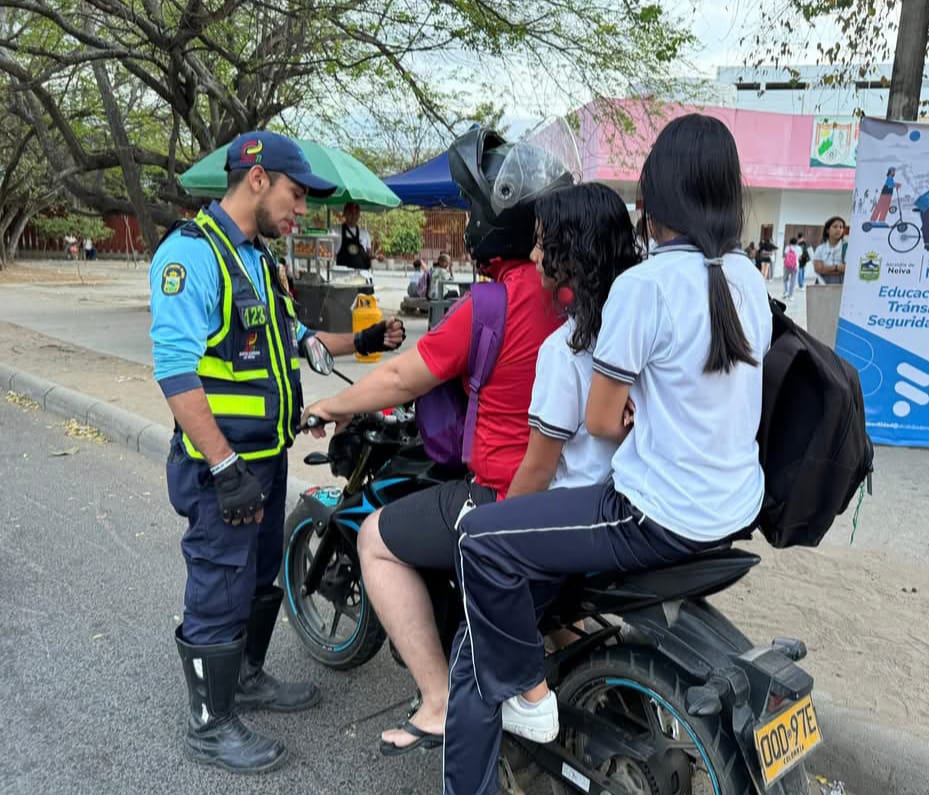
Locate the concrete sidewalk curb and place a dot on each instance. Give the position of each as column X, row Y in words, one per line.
column 869, row 758
column 137, row 433
column 120, row 425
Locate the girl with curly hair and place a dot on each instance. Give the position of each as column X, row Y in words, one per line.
column 584, row 240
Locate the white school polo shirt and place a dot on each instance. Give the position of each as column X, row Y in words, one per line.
column 559, row 399
column 691, row 462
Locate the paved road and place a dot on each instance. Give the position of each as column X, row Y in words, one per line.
column 91, row 583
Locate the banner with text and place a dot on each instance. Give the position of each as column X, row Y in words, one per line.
column 884, row 320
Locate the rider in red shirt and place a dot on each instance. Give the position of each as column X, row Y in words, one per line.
column 502, row 432
column 419, row 532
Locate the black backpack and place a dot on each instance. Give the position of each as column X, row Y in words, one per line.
column 814, row 448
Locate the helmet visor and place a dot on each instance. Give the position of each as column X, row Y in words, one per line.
column 545, row 157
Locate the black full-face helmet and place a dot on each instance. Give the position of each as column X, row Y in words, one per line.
column 502, row 181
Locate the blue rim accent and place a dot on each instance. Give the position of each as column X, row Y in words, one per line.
column 290, row 597
column 693, row 736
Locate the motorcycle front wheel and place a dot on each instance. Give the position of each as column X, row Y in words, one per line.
column 336, row 622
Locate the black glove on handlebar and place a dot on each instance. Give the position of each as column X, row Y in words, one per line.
column 371, row 339
column 238, row 492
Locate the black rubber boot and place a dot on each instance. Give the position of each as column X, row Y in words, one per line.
column 215, row 735
column 257, row 688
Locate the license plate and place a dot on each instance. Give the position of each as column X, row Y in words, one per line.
column 786, row 739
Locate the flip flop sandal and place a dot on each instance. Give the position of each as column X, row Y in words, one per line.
column 423, row 740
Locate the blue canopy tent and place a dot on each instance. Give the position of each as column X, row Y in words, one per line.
column 428, row 185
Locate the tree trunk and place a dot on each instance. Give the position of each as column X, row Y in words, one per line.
column 17, row 232
column 909, row 60
column 131, row 171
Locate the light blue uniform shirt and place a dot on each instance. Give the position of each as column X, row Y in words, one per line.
column 186, row 312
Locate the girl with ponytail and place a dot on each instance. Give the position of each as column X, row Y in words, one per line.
column 683, row 335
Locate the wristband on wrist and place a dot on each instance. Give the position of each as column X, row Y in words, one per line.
column 224, row 464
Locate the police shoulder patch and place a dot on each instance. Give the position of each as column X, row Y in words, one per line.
column 173, row 278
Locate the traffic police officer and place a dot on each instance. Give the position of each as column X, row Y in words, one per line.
column 226, row 346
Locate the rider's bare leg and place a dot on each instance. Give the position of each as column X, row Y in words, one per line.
column 402, row 603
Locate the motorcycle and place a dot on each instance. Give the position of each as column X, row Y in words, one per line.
column 659, row 693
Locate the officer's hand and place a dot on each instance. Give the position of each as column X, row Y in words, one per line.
column 387, row 335
column 395, row 333
column 239, row 494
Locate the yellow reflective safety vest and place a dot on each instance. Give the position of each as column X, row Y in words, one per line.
column 251, row 367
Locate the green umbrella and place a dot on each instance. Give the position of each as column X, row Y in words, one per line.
column 357, row 183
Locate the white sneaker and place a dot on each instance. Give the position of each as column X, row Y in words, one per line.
column 538, row 723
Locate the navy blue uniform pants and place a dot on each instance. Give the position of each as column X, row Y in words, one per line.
column 512, row 558
column 226, row 565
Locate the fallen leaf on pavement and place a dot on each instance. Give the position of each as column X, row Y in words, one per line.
column 77, row 430
column 22, row 401
column 67, row 451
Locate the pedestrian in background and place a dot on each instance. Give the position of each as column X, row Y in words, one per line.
column 766, row 249
column 791, row 265
column 829, row 258
column 805, row 257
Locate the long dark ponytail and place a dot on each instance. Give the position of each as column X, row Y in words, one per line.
column 691, row 183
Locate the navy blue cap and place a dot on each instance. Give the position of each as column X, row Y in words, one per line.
column 275, row 152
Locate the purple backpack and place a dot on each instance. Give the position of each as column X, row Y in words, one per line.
column 446, row 416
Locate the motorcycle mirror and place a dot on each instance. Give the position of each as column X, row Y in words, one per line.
column 314, row 459
column 318, row 356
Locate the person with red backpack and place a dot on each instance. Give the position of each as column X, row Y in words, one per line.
column 791, row 265
column 419, row 532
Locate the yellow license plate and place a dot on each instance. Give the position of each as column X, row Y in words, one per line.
column 786, row 739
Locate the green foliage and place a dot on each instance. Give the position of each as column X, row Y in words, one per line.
column 187, row 77
column 866, row 34
column 397, row 233
column 56, row 227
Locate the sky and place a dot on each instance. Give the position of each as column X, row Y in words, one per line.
column 719, row 27
column 720, row 24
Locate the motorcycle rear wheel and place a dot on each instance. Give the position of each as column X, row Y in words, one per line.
column 636, row 690
column 339, row 603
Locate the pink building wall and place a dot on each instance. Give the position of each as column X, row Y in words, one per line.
column 774, row 147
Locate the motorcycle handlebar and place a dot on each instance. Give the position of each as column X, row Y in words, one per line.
column 395, row 418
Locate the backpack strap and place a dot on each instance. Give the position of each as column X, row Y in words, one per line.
column 488, row 321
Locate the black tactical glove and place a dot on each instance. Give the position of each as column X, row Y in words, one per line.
column 371, row 339
column 238, row 492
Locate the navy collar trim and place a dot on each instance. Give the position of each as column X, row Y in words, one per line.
column 671, row 245
column 229, row 227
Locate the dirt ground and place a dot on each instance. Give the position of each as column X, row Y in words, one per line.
column 862, row 612
column 67, row 273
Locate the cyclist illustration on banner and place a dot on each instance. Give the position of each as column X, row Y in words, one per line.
column 902, row 235
column 884, row 318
